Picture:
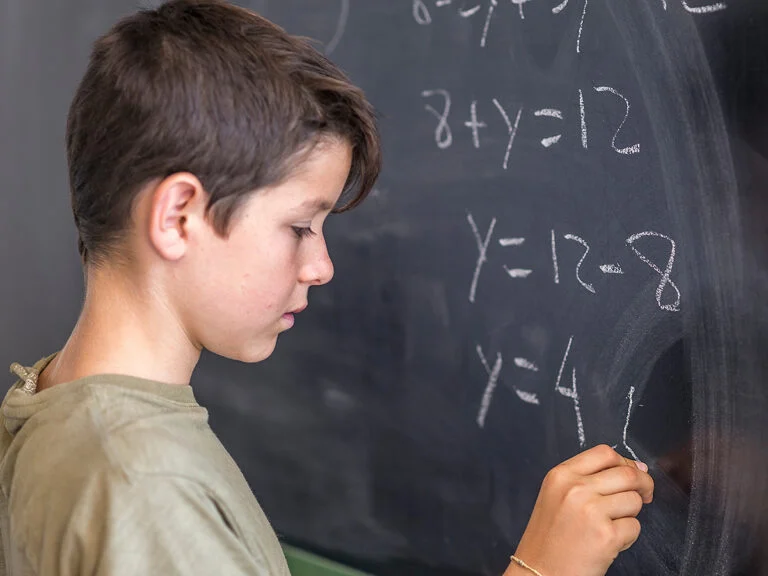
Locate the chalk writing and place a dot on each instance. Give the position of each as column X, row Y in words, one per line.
column 571, row 393
column 551, row 124
column 482, row 247
column 483, row 244
column 583, row 118
column 421, row 13
column 611, row 269
column 518, row 272
column 665, row 275
column 443, row 135
column 526, row 364
column 511, row 129
column 340, row 28
column 560, row 7
column 575, row 238
column 491, row 7
column 474, row 125
column 515, row 272
column 635, row 148
column 554, row 259
column 444, row 138
column 708, row 9
column 493, row 374
column 469, row 11
column 554, row 124
column 626, row 426
column 422, row 16
column 581, row 27
column 519, row 4
column 551, row 113
column 528, row 397
column 493, row 379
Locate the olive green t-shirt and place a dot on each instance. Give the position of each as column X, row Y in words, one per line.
column 116, row 475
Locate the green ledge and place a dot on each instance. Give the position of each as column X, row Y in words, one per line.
column 303, row 563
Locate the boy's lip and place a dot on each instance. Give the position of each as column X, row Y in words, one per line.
column 297, row 310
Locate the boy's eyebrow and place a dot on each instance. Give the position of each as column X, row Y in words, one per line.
column 318, row 204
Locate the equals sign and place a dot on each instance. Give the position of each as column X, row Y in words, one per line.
column 529, row 397
column 518, row 272
column 515, row 272
column 611, row 269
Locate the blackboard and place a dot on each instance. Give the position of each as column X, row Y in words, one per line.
column 567, row 247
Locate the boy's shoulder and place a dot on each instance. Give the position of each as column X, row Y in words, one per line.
column 117, row 421
column 107, row 428
column 96, row 461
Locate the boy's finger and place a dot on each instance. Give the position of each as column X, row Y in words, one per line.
column 595, row 460
column 622, row 505
column 622, row 479
column 627, row 531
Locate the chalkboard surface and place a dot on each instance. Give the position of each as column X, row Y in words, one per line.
column 567, row 247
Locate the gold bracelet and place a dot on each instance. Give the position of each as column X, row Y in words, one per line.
column 519, row 562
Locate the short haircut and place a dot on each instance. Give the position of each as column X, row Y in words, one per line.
column 206, row 87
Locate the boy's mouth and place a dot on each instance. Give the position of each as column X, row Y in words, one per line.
column 288, row 316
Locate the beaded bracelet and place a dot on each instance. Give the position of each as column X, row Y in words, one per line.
column 519, row 562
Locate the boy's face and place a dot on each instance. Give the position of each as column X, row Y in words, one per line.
column 236, row 294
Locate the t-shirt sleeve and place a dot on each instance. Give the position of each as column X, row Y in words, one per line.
column 154, row 525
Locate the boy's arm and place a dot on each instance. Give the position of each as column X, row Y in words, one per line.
column 155, row 525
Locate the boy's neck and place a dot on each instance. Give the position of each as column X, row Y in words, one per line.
column 124, row 329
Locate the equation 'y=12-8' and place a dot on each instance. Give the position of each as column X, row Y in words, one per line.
column 484, row 241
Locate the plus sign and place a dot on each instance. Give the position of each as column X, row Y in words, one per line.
column 473, row 124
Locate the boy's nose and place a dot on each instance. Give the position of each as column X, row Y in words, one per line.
column 319, row 270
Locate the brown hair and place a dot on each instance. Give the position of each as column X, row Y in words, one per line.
column 209, row 88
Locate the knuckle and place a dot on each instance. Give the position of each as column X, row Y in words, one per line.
column 637, row 502
column 606, row 536
column 633, row 532
column 605, row 451
column 556, row 478
column 629, row 535
column 629, row 475
column 591, row 512
column 576, row 494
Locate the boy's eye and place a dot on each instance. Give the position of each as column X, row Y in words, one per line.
column 303, row 232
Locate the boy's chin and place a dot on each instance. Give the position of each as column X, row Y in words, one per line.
column 250, row 352
column 258, row 352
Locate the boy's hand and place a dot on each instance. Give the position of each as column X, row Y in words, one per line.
column 584, row 515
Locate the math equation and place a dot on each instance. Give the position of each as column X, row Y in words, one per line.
column 488, row 10
column 566, row 124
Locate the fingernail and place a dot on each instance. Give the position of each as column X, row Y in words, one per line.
column 643, row 466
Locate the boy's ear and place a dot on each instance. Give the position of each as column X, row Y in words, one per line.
column 177, row 207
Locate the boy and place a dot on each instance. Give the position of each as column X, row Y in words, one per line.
column 206, row 147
